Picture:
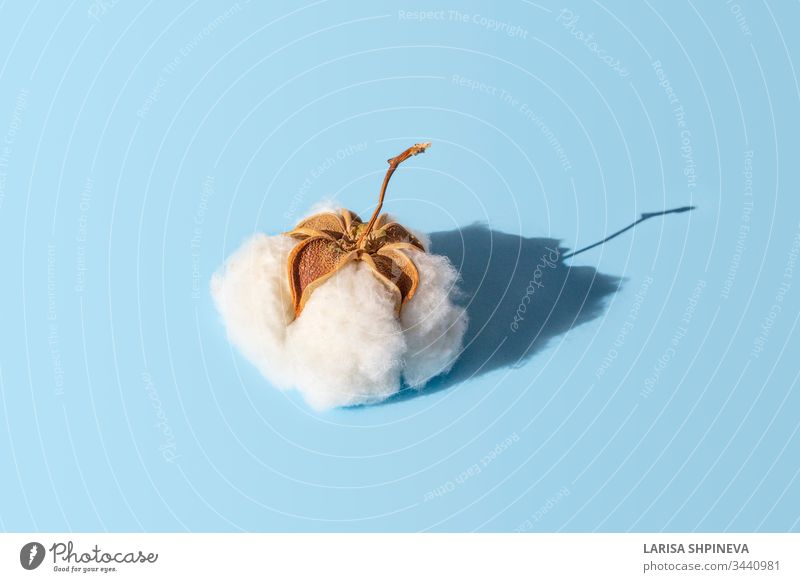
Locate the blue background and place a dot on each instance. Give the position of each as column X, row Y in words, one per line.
column 653, row 389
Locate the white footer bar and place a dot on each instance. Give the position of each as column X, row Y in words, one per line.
column 401, row 557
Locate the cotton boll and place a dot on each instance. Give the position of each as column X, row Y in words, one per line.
column 432, row 326
column 347, row 344
column 252, row 295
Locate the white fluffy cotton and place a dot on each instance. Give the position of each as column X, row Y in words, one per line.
column 347, row 347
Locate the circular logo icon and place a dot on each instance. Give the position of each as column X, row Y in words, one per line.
column 31, row 555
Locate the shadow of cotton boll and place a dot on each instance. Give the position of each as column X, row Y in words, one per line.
column 519, row 295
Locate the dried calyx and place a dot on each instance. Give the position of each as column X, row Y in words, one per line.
column 331, row 240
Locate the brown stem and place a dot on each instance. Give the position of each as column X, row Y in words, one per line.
column 393, row 163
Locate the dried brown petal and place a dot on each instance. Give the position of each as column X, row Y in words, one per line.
column 394, row 266
column 395, row 232
column 349, row 218
column 302, row 233
column 311, row 263
column 401, row 246
column 328, row 222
